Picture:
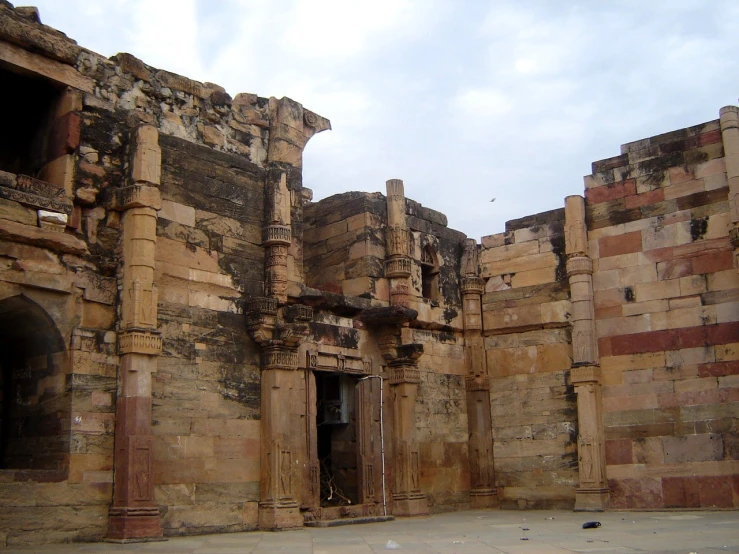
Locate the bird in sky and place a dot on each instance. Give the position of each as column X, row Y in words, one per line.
column 493, row 200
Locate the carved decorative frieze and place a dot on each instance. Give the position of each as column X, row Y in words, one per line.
column 140, row 342
column 279, row 358
column 277, row 235
column 397, row 241
column 473, row 285
column 35, row 200
column 40, row 188
column 398, row 268
column 137, row 196
column 339, row 363
column 261, row 305
column 404, row 374
column 579, row 265
column 476, row 382
column 141, row 308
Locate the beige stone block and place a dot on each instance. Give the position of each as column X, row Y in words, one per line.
column 684, row 189
column 611, row 377
column 695, row 385
column 493, row 241
column 249, row 428
column 357, row 286
column 521, row 264
column 711, row 167
column 657, row 291
column 316, row 234
column 685, row 302
column 691, row 317
column 508, row 252
column 174, row 211
column 534, row 277
column 608, row 298
column 510, row 361
column 723, row 280
column 638, row 274
column 638, row 308
column 51, row 69
column 715, row 181
column 530, row 233
column 626, row 403
column 14, row 211
column 211, row 302
column 727, row 312
column 659, row 237
column 552, row 312
column 553, row 357
column 519, row 316
column 620, row 261
column 366, row 248
column 718, row 226
column 98, row 316
column 728, row 382
column 692, row 285
column 690, row 356
column 60, row 172
column 176, row 253
column 727, row 352
column 79, row 464
column 606, row 280
column 630, row 362
column 623, row 325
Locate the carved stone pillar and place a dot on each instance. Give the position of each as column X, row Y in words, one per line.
column 279, row 332
column 291, row 126
column 402, row 364
column 134, row 515
column 593, row 494
column 483, row 493
column 398, row 264
column 729, row 118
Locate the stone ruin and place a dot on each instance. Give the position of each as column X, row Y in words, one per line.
column 191, row 345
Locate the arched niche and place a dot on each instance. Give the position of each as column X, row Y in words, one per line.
column 429, row 273
column 34, row 403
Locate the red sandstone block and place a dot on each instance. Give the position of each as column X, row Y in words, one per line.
column 604, row 346
column 716, row 492
column 644, row 199
column 611, row 192
column 695, row 398
column 65, row 136
column 674, row 269
column 618, row 452
column 620, row 244
column 719, row 369
column 660, row 254
column 639, row 343
column 681, row 492
column 711, row 137
column 713, row 262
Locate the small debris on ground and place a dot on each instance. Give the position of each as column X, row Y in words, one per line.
column 392, row 545
column 591, row 525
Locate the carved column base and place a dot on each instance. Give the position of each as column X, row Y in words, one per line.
column 483, row 498
column 409, row 505
column 134, row 524
column 592, row 500
column 278, row 516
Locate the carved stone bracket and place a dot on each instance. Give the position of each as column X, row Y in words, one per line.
column 137, row 196
column 35, row 200
column 404, row 374
column 579, row 265
column 276, row 235
column 477, row 383
column 397, row 268
column 473, row 285
column 140, row 342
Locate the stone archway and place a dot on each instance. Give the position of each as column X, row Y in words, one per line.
column 35, row 402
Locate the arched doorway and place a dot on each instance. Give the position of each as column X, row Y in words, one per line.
column 34, row 403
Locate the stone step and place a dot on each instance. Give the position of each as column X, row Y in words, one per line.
column 348, row 521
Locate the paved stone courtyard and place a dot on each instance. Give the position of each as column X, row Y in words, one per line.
column 534, row 532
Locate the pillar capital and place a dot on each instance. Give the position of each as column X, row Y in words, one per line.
column 585, row 374
column 579, row 265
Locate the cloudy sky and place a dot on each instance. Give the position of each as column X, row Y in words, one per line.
column 464, row 100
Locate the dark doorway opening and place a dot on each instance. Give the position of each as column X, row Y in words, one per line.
column 34, row 402
column 336, row 438
column 31, row 102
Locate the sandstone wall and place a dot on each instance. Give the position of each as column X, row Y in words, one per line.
column 667, row 316
column 527, row 342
